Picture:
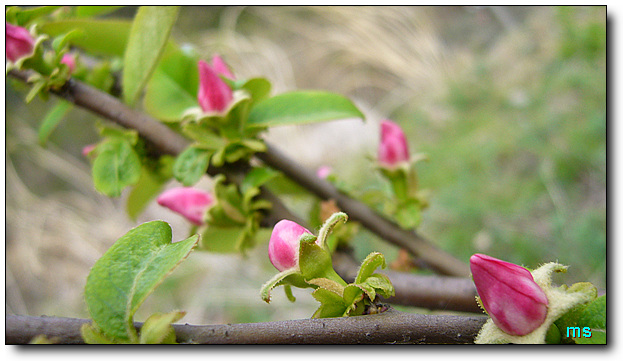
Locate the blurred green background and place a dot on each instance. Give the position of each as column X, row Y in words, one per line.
column 508, row 103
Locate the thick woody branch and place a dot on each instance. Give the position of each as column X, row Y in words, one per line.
column 391, row 327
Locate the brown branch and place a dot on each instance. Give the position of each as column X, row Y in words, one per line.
column 425, row 291
column 170, row 142
column 388, row 327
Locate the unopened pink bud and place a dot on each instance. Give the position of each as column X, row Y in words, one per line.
column 283, row 247
column 70, row 61
column 190, row 202
column 324, row 171
column 19, row 42
column 393, row 147
column 88, row 149
column 220, row 67
column 515, row 303
column 214, row 94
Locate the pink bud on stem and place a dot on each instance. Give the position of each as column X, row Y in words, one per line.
column 393, row 148
column 19, row 42
column 214, row 94
column 190, row 202
column 284, row 244
column 515, row 303
column 70, row 61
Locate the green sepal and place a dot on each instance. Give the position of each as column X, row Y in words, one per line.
column 328, row 226
column 157, row 328
column 291, row 276
column 315, row 262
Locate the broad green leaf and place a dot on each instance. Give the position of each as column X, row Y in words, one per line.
column 172, row 89
column 598, row 337
column 52, row 119
column 301, row 107
column 148, row 38
column 116, row 166
column 157, row 328
column 90, row 11
column 128, row 272
column 101, row 37
column 191, row 165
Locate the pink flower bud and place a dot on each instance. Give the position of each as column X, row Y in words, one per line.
column 214, row 94
column 283, row 247
column 221, row 68
column 393, row 147
column 515, row 303
column 190, row 202
column 88, row 149
column 70, row 61
column 324, row 171
column 19, row 42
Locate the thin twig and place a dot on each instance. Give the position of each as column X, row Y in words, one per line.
column 388, row 327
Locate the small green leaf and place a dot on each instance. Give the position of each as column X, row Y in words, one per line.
column 278, row 279
column 409, row 214
column 143, row 192
column 116, row 166
column 93, row 336
column 52, row 119
column 257, row 177
column 302, row 107
column 369, row 265
column 27, row 15
column 103, row 37
column 331, row 304
column 148, row 38
column 128, row 272
column 157, row 328
column 258, row 89
column 191, row 165
column 91, row 10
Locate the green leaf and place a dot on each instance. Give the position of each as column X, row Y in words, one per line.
column 101, row 37
column 148, row 38
column 373, row 261
column 257, row 177
column 93, row 336
column 148, row 186
column 222, row 239
column 128, row 272
column 116, row 166
column 191, row 165
column 279, row 279
column 91, row 11
column 27, row 15
column 52, row 119
column 172, row 89
column 258, row 89
column 157, row 328
column 409, row 213
column 302, row 107
column 331, row 304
